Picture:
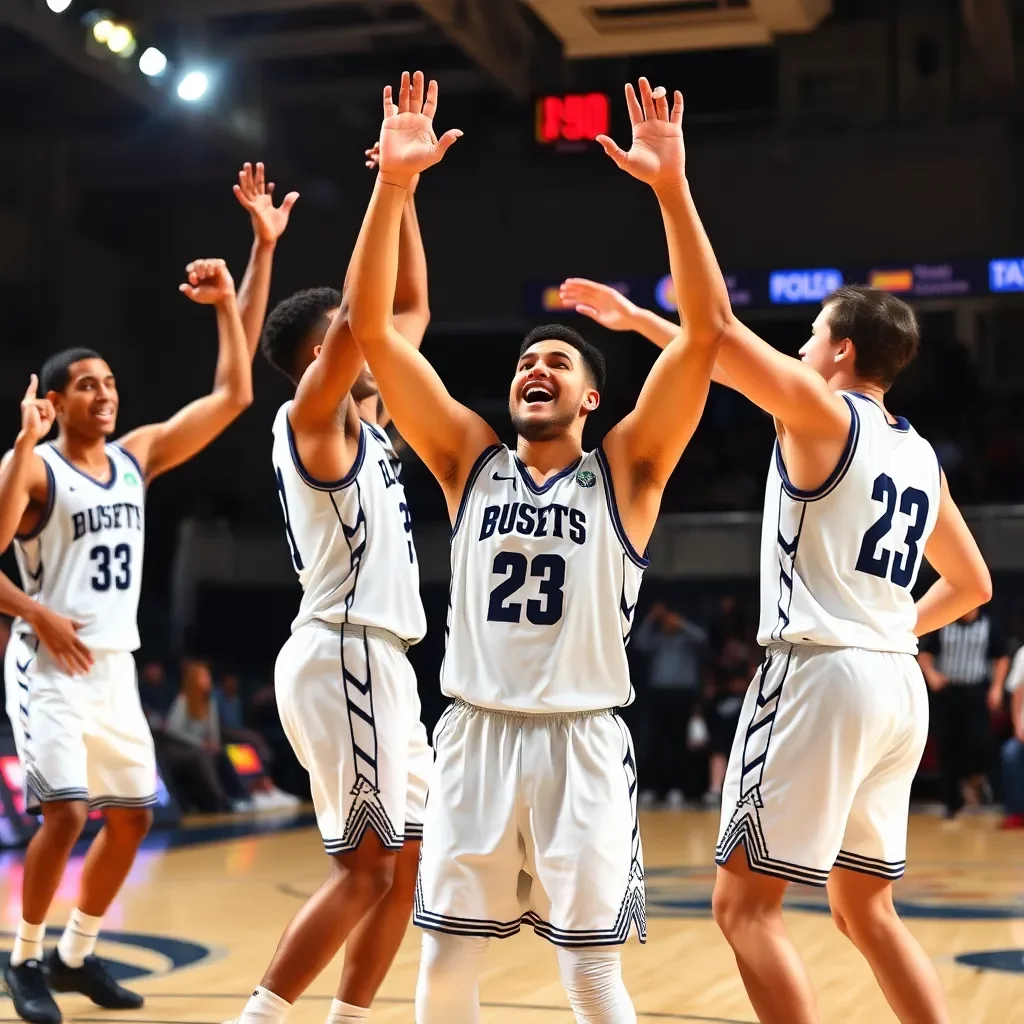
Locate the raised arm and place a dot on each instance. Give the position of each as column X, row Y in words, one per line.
column 160, row 447
column 964, row 580
column 256, row 196
column 24, row 482
column 446, row 435
column 644, row 448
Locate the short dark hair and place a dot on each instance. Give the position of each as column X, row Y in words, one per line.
column 883, row 329
column 289, row 326
column 593, row 357
column 56, row 372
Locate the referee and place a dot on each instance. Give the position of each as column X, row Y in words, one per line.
column 963, row 663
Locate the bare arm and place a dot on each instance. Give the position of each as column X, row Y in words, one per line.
column 412, row 305
column 57, row 634
column 964, row 580
column 613, row 310
column 644, row 448
column 932, row 676
column 268, row 224
column 445, row 434
column 1000, row 669
column 160, row 447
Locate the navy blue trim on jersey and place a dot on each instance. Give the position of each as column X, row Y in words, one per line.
column 325, row 485
column 550, row 482
column 902, row 425
column 81, row 472
column 128, row 455
column 51, row 499
column 744, row 828
column 790, row 549
column 837, row 474
column 481, row 461
column 377, row 432
column 641, row 561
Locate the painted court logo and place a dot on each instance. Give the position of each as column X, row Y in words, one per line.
column 585, row 478
column 133, row 955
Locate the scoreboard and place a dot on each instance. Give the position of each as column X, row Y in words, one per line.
column 569, row 121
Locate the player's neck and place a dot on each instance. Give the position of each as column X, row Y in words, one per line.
column 845, row 382
column 547, row 457
column 87, row 452
column 367, row 409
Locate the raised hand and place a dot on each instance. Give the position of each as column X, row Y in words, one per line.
column 657, row 155
column 37, row 414
column 408, row 144
column 209, row 282
column 256, row 195
column 600, row 302
column 373, row 159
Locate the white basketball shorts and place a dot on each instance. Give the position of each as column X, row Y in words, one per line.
column 828, row 744
column 532, row 819
column 79, row 737
column 351, row 711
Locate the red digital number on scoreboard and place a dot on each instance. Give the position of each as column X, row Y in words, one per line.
column 572, row 118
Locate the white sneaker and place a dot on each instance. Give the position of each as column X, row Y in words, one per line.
column 648, row 800
column 712, row 799
column 675, row 800
column 285, row 799
column 242, row 806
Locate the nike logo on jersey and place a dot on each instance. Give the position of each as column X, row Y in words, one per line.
column 532, row 521
column 513, row 478
column 121, row 515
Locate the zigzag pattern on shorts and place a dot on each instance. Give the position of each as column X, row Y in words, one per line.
column 366, row 812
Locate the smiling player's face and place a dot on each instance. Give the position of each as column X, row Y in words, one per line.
column 88, row 405
column 550, row 390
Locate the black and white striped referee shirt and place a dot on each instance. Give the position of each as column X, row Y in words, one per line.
column 964, row 651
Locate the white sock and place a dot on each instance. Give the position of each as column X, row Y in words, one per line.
column 264, row 1007
column 346, row 1013
column 79, row 938
column 28, row 943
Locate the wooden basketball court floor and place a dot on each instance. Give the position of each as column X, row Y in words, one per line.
column 197, row 922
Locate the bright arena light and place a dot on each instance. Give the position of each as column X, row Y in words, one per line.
column 120, row 39
column 193, row 86
column 152, row 62
column 58, row 6
column 102, row 29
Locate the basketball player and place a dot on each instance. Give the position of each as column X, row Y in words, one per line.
column 532, row 810
column 345, row 690
column 834, row 724
column 75, row 508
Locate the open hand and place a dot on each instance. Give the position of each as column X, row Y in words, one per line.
column 657, row 155
column 209, row 282
column 408, row 144
column 59, row 636
column 373, row 159
column 37, row 414
column 257, row 196
column 600, row 302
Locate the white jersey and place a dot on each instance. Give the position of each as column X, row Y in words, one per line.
column 544, row 584
column 351, row 539
column 84, row 559
column 838, row 564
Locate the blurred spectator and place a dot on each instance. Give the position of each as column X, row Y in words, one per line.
column 212, row 784
column 228, row 699
column 155, row 693
column 728, row 623
column 676, row 652
column 965, row 665
column 725, row 701
column 1013, row 748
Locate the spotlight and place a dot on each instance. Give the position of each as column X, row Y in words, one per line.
column 58, row 6
column 120, row 39
column 193, row 86
column 102, row 29
column 152, row 62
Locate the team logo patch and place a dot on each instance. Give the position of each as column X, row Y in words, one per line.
column 131, row 478
column 585, row 478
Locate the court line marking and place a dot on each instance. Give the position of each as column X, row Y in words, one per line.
column 397, row 1001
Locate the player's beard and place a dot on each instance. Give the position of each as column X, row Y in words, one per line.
column 546, row 429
